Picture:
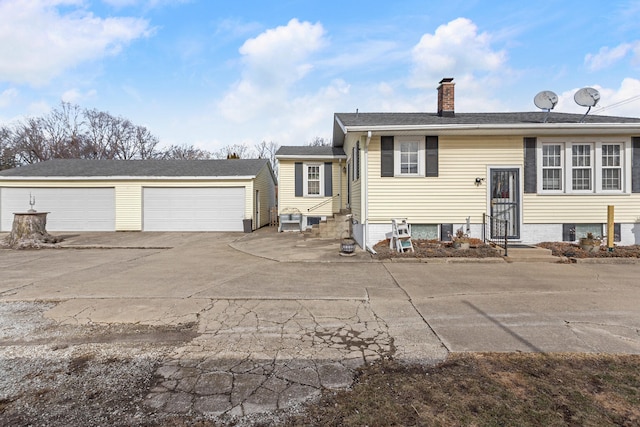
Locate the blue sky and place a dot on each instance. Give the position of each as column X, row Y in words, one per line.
column 214, row 73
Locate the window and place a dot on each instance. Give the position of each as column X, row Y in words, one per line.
column 611, row 167
column 409, row 156
column 583, row 167
column 313, row 179
column 551, row 167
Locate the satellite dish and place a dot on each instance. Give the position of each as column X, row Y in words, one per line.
column 586, row 97
column 546, row 100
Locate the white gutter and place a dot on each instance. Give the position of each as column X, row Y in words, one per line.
column 127, row 178
column 365, row 179
column 506, row 129
column 303, row 157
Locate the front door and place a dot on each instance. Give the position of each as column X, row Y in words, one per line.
column 505, row 202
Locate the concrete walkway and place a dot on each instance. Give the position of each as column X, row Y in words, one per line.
column 279, row 318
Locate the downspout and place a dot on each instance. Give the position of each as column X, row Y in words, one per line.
column 365, row 178
column 340, row 183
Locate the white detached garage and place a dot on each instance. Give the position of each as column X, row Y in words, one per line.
column 141, row 195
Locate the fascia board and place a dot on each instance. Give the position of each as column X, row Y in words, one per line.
column 303, row 157
column 127, row 178
column 508, row 129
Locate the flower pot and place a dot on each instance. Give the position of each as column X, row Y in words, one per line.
column 461, row 244
column 590, row 245
column 347, row 246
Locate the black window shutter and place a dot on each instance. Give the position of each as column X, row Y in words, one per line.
column 328, row 179
column 530, row 171
column 386, row 156
column 298, row 173
column 446, row 231
column 635, row 164
column 432, row 156
column 568, row 232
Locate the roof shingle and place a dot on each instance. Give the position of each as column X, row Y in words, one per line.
column 138, row 168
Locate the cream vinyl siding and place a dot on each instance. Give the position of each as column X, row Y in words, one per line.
column 265, row 185
column 128, row 208
column 287, row 200
column 554, row 209
column 450, row 197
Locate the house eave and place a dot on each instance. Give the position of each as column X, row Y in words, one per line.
column 127, row 178
column 312, row 157
column 506, row 129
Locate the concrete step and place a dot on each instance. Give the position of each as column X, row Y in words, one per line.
column 531, row 254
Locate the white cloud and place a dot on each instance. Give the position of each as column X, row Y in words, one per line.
column 74, row 96
column 272, row 63
column 607, row 56
column 39, row 39
column 7, row 96
column 455, row 49
column 623, row 101
column 144, row 3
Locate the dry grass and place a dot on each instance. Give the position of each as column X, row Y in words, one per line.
column 489, row 390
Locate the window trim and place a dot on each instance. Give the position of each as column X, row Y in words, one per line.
column 596, row 144
column 397, row 143
column 305, row 179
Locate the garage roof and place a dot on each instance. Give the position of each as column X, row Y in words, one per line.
column 139, row 168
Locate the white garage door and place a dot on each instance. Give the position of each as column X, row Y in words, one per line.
column 70, row 209
column 193, row 209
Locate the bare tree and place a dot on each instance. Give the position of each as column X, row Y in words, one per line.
column 185, row 152
column 146, row 143
column 267, row 150
column 7, row 152
column 233, row 151
column 30, row 142
column 319, row 141
column 71, row 132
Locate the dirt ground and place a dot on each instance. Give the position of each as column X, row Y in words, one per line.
column 64, row 375
column 478, row 249
column 436, row 249
column 571, row 250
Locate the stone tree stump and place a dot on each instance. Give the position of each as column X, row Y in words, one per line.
column 29, row 230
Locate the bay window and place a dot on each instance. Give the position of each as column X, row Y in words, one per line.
column 579, row 167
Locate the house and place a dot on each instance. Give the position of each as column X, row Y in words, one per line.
column 141, row 195
column 550, row 175
column 312, row 182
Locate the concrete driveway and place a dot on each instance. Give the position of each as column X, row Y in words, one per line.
column 279, row 318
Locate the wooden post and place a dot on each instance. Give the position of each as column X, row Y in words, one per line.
column 610, row 228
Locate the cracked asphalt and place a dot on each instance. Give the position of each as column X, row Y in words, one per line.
column 231, row 327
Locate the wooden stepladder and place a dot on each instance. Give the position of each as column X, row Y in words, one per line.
column 401, row 235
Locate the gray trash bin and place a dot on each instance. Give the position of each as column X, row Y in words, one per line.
column 246, row 223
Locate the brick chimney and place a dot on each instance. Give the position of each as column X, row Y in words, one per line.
column 446, row 98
